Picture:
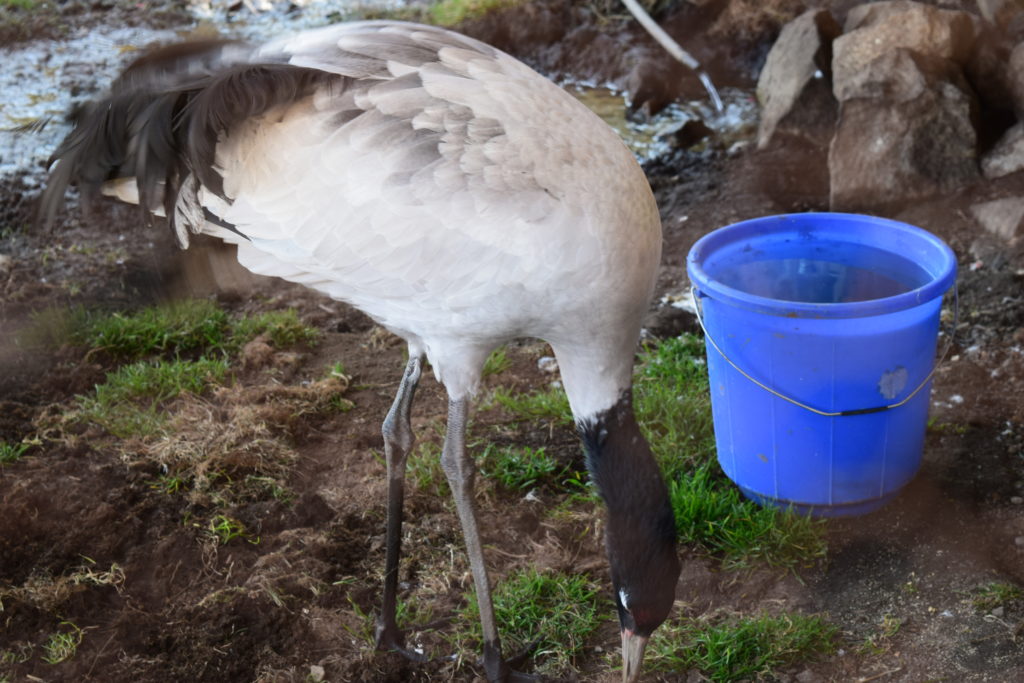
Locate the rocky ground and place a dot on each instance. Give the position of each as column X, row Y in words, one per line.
column 165, row 603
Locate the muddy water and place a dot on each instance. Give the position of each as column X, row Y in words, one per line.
column 650, row 139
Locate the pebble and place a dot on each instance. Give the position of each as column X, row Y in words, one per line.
column 547, row 364
column 1019, row 541
column 1017, row 500
column 998, row 612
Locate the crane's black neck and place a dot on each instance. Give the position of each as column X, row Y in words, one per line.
column 640, row 531
column 620, row 462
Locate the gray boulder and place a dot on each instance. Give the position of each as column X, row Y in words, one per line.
column 801, row 54
column 877, row 28
column 1007, row 156
column 1000, row 217
column 905, row 131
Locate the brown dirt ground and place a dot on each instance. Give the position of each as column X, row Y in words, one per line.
column 178, row 606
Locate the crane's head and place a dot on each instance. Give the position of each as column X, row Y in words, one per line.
column 644, row 593
column 641, row 532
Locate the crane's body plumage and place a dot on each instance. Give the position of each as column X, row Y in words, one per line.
column 430, row 180
column 467, row 198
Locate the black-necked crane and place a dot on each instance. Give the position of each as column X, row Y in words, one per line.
column 450, row 192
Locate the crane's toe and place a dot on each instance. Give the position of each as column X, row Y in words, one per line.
column 387, row 636
column 505, row 670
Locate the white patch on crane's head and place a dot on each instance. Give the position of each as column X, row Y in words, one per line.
column 624, row 599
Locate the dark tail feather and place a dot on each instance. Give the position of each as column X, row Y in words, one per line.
column 102, row 145
column 163, row 119
column 238, row 94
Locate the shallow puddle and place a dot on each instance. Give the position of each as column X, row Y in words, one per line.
column 650, row 139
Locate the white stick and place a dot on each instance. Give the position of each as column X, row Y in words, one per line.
column 658, row 33
column 673, row 48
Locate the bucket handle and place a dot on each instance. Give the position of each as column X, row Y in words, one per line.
column 698, row 309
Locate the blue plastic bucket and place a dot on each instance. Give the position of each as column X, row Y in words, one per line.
column 821, row 331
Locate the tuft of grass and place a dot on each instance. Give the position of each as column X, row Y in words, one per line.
column 738, row 649
column 452, row 12
column 175, row 328
column 557, row 611
column 714, row 514
column 63, row 644
column 673, row 402
column 496, row 363
column 190, row 326
column 225, row 529
column 17, row 654
column 519, row 468
column 408, row 614
column 551, row 404
column 12, row 452
column 995, row 594
column 674, row 409
column 424, row 470
column 880, row 640
column 127, row 403
column 49, row 593
column 281, row 329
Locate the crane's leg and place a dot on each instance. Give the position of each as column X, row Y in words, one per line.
column 398, row 440
column 460, row 470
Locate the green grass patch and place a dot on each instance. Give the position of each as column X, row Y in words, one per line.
column 674, row 410
column 423, row 470
column 186, row 327
column 673, row 403
column 12, row 452
column 175, row 328
column 225, row 529
column 558, row 611
column 496, row 363
column 63, row 644
column 550, row 404
column 127, row 403
column 738, row 649
column 995, row 594
column 713, row 513
column 281, row 328
column 519, row 468
column 451, row 12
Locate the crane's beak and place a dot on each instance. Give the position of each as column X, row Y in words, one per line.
column 633, row 647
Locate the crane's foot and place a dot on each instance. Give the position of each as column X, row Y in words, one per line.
column 389, row 637
column 504, row 670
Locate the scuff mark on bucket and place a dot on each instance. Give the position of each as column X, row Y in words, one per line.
column 893, row 382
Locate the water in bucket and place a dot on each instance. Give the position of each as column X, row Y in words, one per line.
column 821, row 332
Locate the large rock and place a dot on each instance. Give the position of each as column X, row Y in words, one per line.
column 1001, row 217
column 802, row 52
column 999, row 12
column 1007, row 156
column 902, row 75
column 905, row 131
column 875, row 29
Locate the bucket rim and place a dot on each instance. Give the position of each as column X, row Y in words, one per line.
column 937, row 286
